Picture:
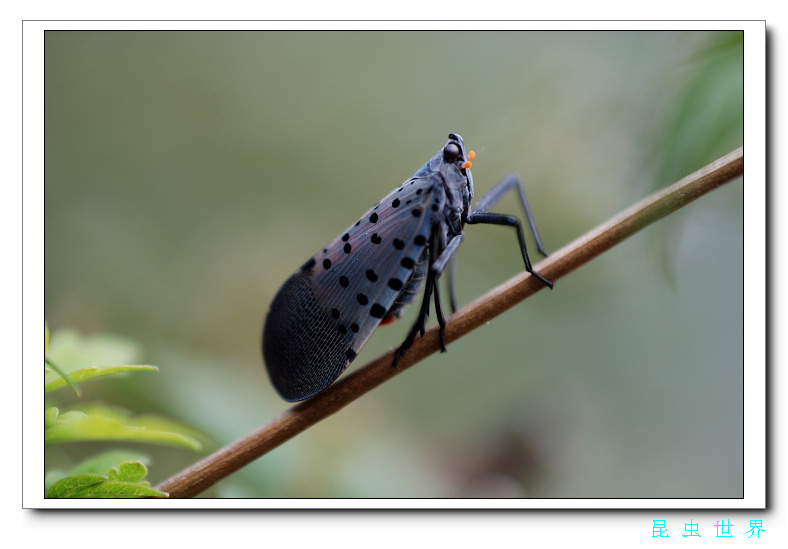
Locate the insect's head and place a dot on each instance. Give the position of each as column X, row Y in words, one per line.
column 454, row 152
column 456, row 167
column 453, row 163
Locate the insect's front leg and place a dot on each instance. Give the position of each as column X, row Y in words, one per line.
column 445, row 258
column 440, row 236
column 452, row 283
column 447, row 252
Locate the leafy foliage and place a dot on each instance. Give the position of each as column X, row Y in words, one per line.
column 710, row 104
column 123, row 481
column 90, row 373
column 112, row 474
column 98, row 422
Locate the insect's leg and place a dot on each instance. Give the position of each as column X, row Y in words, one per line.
column 441, row 320
column 439, row 255
column 448, row 252
column 418, row 326
column 510, row 221
column 452, row 285
column 496, row 193
column 446, row 258
column 438, row 308
column 480, row 215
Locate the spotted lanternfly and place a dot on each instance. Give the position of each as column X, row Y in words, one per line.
column 325, row 313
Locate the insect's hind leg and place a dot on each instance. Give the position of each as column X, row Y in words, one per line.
column 494, row 195
column 481, row 215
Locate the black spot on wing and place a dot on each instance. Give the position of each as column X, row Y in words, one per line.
column 309, row 264
column 377, row 310
column 395, row 284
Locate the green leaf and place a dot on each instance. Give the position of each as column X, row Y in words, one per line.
column 73, row 351
column 96, row 465
column 125, row 481
column 67, row 487
column 132, row 471
column 64, row 377
column 90, row 373
column 67, row 352
column 98, row 422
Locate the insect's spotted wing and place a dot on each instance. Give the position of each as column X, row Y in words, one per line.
column 326, row 312
column 371, row 262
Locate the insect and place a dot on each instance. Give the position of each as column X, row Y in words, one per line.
column 325, row 312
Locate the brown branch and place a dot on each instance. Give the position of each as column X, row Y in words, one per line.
column 229, row 459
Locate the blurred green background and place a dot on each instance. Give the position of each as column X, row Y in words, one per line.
column 188, row 174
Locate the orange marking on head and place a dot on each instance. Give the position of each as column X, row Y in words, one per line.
column 471, row 156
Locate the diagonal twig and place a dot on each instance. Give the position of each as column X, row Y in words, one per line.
column 229, row 459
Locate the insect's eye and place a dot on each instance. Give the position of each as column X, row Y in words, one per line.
column 451, row 152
